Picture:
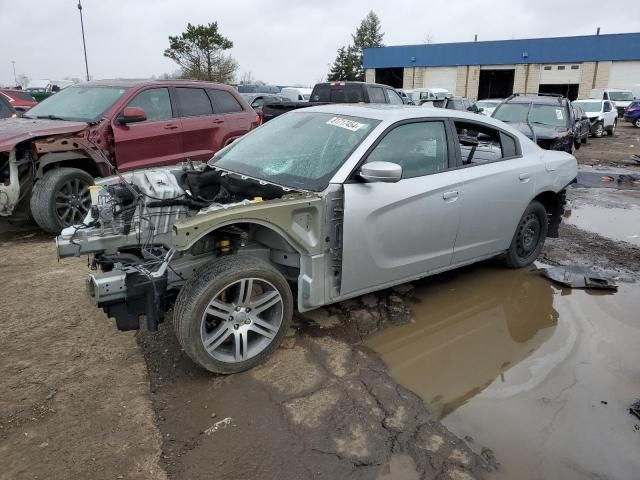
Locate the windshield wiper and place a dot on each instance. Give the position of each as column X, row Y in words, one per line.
column 49, row 117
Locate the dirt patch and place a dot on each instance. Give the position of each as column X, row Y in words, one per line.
column 319, row 407
column 611, row 151
column 74, row 393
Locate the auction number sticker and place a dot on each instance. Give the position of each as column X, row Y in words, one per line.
column 559, row 114
column 345, row 123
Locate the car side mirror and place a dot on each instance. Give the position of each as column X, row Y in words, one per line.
column 387, row 172
column 132, row 115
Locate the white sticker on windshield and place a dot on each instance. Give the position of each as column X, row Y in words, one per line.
column 559, row 114
column 344, row 123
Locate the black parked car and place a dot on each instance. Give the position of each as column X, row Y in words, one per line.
column 547, row 119
column 583, row 124
column 6, row 110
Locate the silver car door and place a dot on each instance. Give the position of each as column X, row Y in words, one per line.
column 398, row 231
column 498, row 184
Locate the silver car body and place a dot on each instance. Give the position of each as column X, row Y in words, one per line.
column 391, row 232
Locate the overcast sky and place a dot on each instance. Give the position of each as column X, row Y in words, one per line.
column 278, row 41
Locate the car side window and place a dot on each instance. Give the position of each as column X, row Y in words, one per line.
column 224, row 102
column 420, row 148
column 194, row 102
column 376, row 95
column 155, row 102
column 607, row 107
column 480, row 144
column 394, row 98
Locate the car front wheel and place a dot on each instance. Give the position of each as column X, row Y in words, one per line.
column 528, row 240
column 599, row 130
column 636, row 122
column 233, row 313
column 61, row 198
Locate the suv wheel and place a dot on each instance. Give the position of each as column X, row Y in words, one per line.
column 61, row 198
column 233, row 313
column 599, row 131
column 612, row 130
column 528, row 240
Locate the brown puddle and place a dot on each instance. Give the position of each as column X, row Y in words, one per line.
column 524, row 367
column 616, row 223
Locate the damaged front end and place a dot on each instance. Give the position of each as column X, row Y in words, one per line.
column 9, row 183
column 130, row 233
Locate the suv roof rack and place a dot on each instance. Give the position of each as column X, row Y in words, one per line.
column 559, row 96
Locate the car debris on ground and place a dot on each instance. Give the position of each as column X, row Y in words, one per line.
column 578, row 277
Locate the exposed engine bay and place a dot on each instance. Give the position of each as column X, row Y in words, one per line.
column 128, row 234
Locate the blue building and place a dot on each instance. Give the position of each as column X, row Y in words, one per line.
column 495, row 69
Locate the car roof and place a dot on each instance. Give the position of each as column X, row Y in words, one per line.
column 395, row 113
column 127, row 83
column 537, row 99
column 589, row 100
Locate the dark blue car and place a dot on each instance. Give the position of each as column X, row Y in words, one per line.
column 632, row 113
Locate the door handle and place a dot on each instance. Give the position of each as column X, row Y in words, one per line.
column 217, row 120
column 450, row 196
column 524, row 177
column 170, row 127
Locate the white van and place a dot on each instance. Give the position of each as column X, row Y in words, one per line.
column 421, row 95
column 297, row 94
column 622, row 98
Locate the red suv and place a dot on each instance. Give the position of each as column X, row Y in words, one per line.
column 52, row 154
column 20, row 100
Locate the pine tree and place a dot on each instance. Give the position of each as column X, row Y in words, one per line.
column 348, row 62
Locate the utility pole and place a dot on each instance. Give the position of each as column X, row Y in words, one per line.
column 15, row 79
column 84, row 43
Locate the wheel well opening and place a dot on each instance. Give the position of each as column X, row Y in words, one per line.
column 252, row 239
column 553, row 203
column 79, row 162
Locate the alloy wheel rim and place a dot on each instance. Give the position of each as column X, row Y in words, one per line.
column 528, row 235
column 599, row 129
column 72, row 201
column 241, row 320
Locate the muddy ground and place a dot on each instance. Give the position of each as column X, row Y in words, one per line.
column 80, row 400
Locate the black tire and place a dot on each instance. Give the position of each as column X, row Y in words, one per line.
column 584, row 139
column 612, row 130
column 68, row 185
column 204, row 287
column 528, row 240
column 599, row 130
column 636, row 122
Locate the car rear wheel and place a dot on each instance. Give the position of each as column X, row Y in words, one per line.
column 599, row 130
column 233, row 313
column 61, row 198
column 636, row 122
column 612, row 129
column 584, row 139
column 528, row 240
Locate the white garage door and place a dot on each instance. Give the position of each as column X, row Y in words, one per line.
column 440, row 77
column 559, row 74
column 624, row 74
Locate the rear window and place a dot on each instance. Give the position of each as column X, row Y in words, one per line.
column 194, row 102
column 338, row 93
column 22, row 96
column 224, row 102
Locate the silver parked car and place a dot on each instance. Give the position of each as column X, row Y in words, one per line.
column 324, row 203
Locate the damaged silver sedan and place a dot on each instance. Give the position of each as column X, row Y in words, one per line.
column 321, row 204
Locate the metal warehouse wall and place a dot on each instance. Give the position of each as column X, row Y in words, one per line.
column 617, row 47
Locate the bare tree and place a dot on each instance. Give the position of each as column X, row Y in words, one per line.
column 23, row 80
column 429, row 38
